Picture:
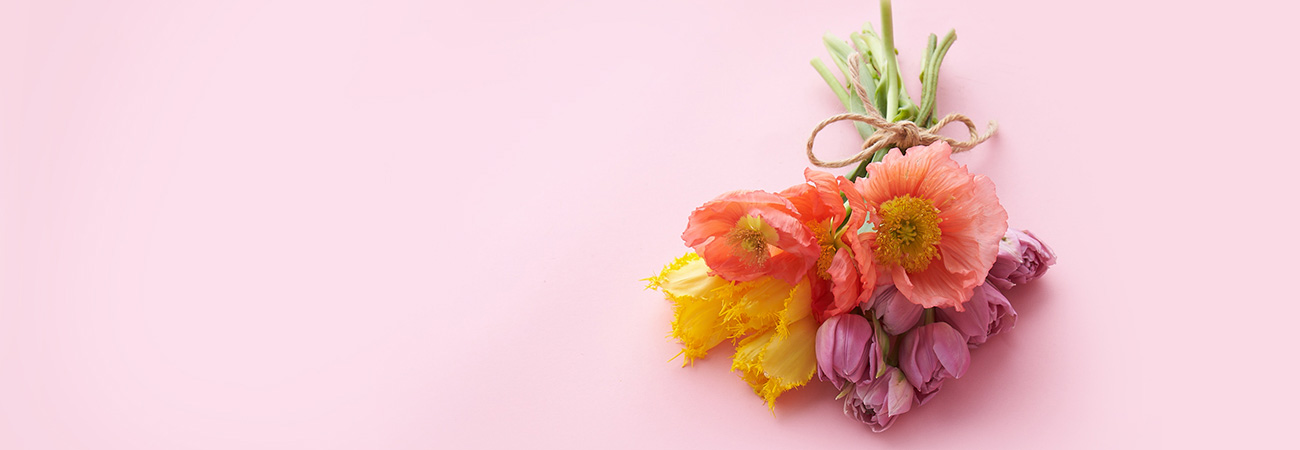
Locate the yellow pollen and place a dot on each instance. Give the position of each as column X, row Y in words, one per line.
column 749, row 240
column 908, row 234
column 823, row 233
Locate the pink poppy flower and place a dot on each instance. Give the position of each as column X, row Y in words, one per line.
column 744, row 235
column 936, row 226
column 843, row 263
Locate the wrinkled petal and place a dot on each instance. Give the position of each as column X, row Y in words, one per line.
column 807, row 202
column 791, row 247
column 827, row 187
column 933, row 287
column 846, row 286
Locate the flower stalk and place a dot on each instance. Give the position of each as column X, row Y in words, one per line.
column 877, row 72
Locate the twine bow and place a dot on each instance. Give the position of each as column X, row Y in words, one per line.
column 904, row 134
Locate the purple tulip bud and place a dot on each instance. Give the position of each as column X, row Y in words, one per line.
column 846, row 350
column 1021, row 258
column 930, row 354
column 895, row 312
column 879, row 401
column 987, row 313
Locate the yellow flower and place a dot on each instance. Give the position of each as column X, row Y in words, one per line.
column 777, row 356
column 773, row 364
column 767, row 303
column 698, row 300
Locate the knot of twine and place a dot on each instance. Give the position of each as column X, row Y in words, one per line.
column 903, row 135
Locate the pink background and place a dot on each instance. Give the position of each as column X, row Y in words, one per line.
column 400, row 225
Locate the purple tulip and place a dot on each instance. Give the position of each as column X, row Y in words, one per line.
column 895, row 312
column 930, row 354
column 987, row 313
column 879, row 401
column 1021, row 258
column 846, row 350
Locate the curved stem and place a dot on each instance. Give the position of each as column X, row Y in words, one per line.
column 930, row 77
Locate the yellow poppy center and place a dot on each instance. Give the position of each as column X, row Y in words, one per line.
column 908, row 234
column 749, row 240
column 823, row 233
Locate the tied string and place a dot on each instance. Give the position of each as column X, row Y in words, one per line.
column 903, row 135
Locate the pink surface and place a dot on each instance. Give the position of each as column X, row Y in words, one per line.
column 397, row 225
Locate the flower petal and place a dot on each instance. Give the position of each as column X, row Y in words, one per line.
column 846, row 286
column 895, row 312
column 773, row 364
column 698, row 325
column 791, row 247
column 950, row 348
column 687, row 276
column 971, row 222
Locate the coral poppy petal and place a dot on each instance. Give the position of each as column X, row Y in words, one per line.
column 937, row 287
column 846, row 286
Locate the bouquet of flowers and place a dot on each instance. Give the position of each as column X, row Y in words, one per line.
column 879, row 282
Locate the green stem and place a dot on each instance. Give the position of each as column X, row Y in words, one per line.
column 887, row 34
column 859, row 172
column 832, row 81
column 840, row 51
column 930, row 77
column 880, row 155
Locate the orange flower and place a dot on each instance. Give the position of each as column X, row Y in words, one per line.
column 935, row 226
column 843, row 265
column 744, row 235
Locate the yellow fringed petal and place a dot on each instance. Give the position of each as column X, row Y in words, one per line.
column 773, row 364
column 708, row 310
column 757, row 305
column 698, row 299
column 798, row 305
column 699, row 325
column 686, row 276
column 768, row 303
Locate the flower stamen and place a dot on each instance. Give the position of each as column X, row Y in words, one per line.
column 909, row 233
column 750, row 239
column 828, row 248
